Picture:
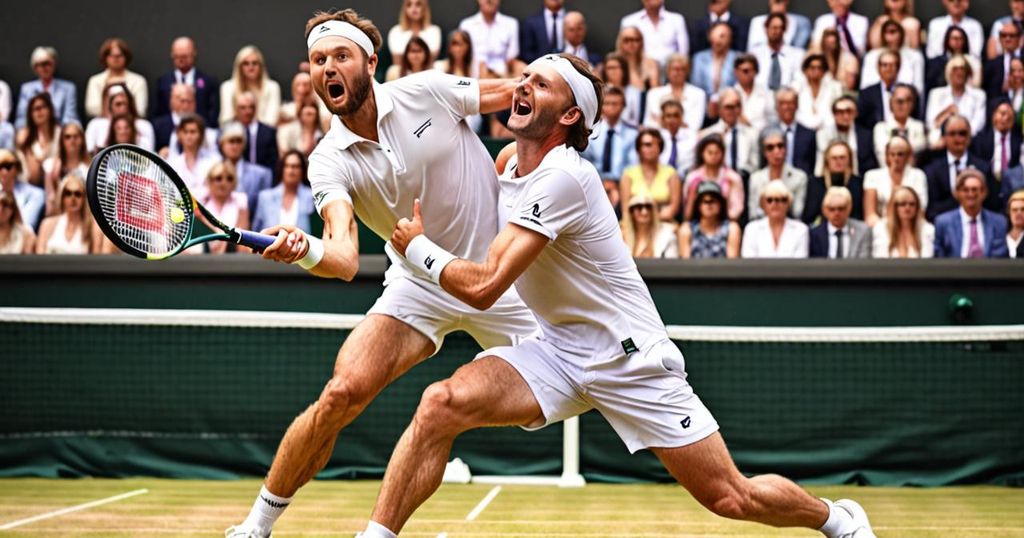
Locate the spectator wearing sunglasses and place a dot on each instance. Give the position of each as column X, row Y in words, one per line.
column 943, row 170
column 646, row 235
column 71, row 231
column 775, row 235
column 31, row 199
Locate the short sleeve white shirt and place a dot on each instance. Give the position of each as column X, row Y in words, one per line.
column 494, row 44
column 668, row 37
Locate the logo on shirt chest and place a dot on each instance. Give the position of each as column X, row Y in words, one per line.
column 420, row 130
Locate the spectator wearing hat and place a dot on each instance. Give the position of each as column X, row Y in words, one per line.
column 645, row 234
column 710, row 233
column 62, row 92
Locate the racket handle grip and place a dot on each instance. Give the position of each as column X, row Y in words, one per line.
column 256, row 241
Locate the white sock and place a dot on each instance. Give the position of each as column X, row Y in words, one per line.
column 838, row 521
column 265, row 511
column 376, row 530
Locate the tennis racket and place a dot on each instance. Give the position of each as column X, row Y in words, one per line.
column 144, row 207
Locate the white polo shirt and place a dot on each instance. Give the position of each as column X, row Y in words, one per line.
column 426, row 151
column 669, row 36
column 584, row 286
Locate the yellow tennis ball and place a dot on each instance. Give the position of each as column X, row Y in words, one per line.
column 177, row 215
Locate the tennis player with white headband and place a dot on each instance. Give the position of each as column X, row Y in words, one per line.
column 388, row 144
column 601, row 344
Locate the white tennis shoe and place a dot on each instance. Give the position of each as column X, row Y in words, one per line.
column 238, row 531
column 861, row 526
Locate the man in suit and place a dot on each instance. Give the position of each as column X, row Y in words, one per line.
column 997, row 70
column 576, row 37
column 719, row 11
column 852, row 27
column 999, row 143
column 839, row 236
column 207, row 95
column 846, row 128
column 183, row 102
column 63, row 93
column 741, row 153
column 252, row 178
column 611, row 145
column 261, row 139
column 680, row 142
column 779, row 62
column 1013, row 181
column 713, row 68
column 798, row 27
column 970, row 230
column 800, row 141
column 873, row 101
column 542, row 33
column 944, row 168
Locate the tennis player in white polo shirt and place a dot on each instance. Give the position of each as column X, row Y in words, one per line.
column 601, row 344
column 388, row 145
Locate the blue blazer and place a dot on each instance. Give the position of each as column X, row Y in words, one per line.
column 269, row 208
column 623, row 149
column 163, row 128
column 701, row 73
column 62, row 93
column 207, row 97
column 983, row 145
column 1013, row 181
column 870, row 108
column 940, row 195
column 253, row 179
column 949, row 234
column 740, row 28
column 533, row 38
column 266, row 145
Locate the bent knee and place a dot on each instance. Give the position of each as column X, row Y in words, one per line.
column 439, row 409
column 343, row 400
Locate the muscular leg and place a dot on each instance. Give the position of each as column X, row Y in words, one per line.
column 707, row 471
column 486, row 392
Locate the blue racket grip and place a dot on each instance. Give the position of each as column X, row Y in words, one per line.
column 256, row 241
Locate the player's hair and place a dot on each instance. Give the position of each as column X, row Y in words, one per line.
column 351, row 17
column 579, row 133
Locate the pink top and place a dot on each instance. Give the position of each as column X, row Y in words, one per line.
column 227, row 213
column 728, row 180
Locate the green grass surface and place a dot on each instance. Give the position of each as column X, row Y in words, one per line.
column 340, row 508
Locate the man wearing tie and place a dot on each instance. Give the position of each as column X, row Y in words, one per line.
column 800, row 141
column 679, row 142
column 261, row 139
column 999, row 143
column 970, row 231
column 542, row 33
column 839, row 236
column 997, row 70
column 611, row 145
column 852, row 27
column 183, row 56
column 719, row 11
column 779, row 62
column 740, row 140
column 945, row 168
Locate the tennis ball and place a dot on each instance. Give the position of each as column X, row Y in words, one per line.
column 177, row 215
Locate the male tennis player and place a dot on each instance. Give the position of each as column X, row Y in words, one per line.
column 601, row 344
column 388, row 145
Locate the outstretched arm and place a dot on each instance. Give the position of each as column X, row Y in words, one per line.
column 476, row 284
column 340, row 243
column 496, row 94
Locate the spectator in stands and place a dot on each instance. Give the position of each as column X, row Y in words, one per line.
column 901, row 103
column 665, row 32
column 1015, row 210
column 740, row 140
column 291, row 201
column 839, row 236
column 617, row 73
column 798, row 27
column 165, row 127
column 302, row 91
column 15, row 236
column 544, row 32
column 773, row 147
column 122, row 131
column 880, row 183
column 71, row 231
column 994, row 45
column 838, row 173
column 800, row 143
column 252, row 178
column 970, row 230
column 816, row 91
column 846, row 128
column 842, row 66
column 679, row 141
column 117, row 101
column 115, row 58
column 460, row 56
column 495, row 38
column 998, row 144
column 644, row 72
column 710, row 234
column 249, row 74
column 943, row 170
column 649, row 177
column 997, row 70
column 710, row 166
column 956, row 15
column 955, row 44
column 955, row 98
column 416, row 59
column 901, row 11
column 693, row 99
column 1015, row 88
column 304, row 133
column 576, row 39
column 204, row 87
column 720, row 11
column 611, row 144
column 713, row 67
column 261, row 139
column 226, row 203
column 31, row 199
column 413, row 21
column 911, row 60
column 757, row 101
column 852, row 27
column 63, row 93
column 903, row 232
column 775, row 235
column 194, row 160
column 37, row 141
column 71, row 159
column 780, row 62
column 646, row 235
column 1013, row 181
column 873, row 101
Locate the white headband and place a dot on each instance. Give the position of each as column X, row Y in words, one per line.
column 582, row 88
column 340, row 29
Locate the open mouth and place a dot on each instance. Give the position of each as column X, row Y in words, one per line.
column 521, row 108
column 335, row 90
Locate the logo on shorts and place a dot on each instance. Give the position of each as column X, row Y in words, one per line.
column 419, row 130
column 685, row 422
column 429, row 262
column 536, row 210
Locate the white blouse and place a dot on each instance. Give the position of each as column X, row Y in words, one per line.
column 759, row 243
column 880, row 180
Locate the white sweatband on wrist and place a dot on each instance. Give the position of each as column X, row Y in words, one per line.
column 314, row 253
column 429, row 257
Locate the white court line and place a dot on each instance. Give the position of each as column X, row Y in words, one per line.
column 483, row 504
column 70, row 509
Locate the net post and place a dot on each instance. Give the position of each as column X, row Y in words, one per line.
column 571, row 477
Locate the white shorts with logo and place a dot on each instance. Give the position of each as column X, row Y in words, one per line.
column 644, row 395
column 429, row 309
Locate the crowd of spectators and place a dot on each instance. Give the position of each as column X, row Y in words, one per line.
column 847, row 136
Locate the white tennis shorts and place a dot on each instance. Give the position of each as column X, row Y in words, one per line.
column 429, row 309
column 644, row 395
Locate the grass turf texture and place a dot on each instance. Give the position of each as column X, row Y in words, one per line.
column 340, row 508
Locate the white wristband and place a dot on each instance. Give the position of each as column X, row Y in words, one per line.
column 314, row 253
column 426, row 255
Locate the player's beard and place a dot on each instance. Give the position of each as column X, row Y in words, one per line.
column 538, row 126
column 358, row 92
